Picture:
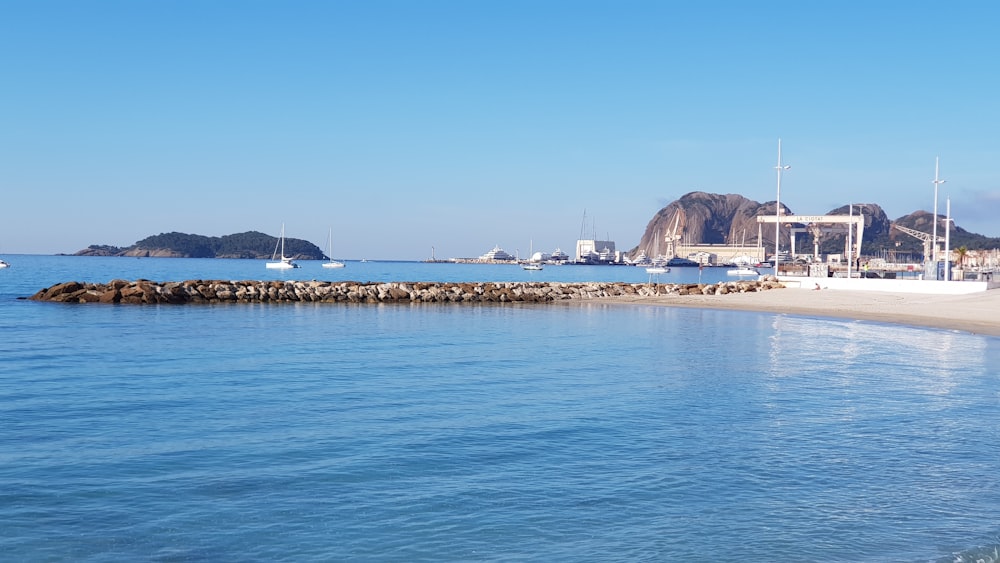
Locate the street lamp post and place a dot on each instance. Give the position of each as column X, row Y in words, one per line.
column 850, row 242
column 934, row 242
column 947, row 240
column 777, row 209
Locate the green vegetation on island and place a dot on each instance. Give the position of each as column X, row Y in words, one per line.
column 251, row 244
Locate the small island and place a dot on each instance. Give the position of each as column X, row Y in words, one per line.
column 250, row 245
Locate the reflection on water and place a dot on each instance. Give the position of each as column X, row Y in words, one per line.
column 801, row 345
column 986, row 554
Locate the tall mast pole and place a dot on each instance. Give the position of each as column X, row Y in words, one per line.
column 947, row 239
column 934, row 239
column 777, row 209
column 850, row 241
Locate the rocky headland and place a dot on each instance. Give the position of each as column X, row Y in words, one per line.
column 731, row 219
column 220, row 291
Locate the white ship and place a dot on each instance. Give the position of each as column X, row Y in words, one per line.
column 496, row 255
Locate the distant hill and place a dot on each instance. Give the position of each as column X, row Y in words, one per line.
column 705, row 218
column 251, row 244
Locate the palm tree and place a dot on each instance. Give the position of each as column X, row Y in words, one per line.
column 961, row 253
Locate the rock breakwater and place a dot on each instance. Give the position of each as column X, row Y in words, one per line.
column 219, row 291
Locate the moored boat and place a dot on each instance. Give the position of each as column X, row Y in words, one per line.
column 284, row 262
column 329, row 250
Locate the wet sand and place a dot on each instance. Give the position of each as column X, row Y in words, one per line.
column 977, row 313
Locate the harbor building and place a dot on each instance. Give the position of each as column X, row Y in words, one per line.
column 590, row 251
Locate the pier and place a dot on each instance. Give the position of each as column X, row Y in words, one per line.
column 219, row 291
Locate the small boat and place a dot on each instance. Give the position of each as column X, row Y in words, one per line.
column 743, row 263
column 284, row 263
column 4, row 264
column 531, row 264
column 657, row 265
column 329, row 252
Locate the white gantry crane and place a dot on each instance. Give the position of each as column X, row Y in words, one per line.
column 671, row 239
column 925, row 237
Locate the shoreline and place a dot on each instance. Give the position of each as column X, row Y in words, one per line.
column 976, row 313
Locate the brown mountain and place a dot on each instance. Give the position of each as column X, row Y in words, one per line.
column 704, row 218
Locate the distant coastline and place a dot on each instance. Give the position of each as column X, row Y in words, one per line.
column 695, row 219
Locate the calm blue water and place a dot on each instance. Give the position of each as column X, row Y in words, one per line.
column 326, row 432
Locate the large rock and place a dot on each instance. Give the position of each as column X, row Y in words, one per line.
column 704, row 218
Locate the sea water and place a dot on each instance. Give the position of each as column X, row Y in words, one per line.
column 325, row 432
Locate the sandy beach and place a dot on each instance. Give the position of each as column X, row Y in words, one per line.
column 977, row 313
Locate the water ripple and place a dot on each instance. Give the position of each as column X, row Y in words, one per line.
column 313, row 433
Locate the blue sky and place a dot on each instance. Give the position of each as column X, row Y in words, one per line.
column 461, row 125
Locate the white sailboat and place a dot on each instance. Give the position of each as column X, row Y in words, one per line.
column 742, row 263
column 657, row 266
column 284, row 263
column 530, row 264
column 329, row 252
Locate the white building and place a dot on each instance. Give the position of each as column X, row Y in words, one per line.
column 596, row 251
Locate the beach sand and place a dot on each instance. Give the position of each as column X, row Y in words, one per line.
column 977, row 313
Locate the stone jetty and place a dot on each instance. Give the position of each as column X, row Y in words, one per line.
column 219, row 291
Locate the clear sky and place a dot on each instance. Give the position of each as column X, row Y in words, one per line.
column 466, row 124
